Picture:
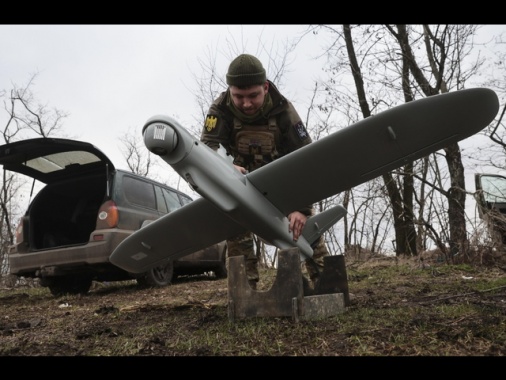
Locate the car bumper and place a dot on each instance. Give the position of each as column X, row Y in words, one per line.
column 92, row 253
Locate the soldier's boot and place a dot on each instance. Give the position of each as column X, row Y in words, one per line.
column 314, row 280
column 314, row 265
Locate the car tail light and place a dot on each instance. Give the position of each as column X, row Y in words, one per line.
column 19, row 232
column 108, row 215
column 22, row 229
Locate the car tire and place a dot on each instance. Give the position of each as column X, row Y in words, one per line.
column 221, row 270
column 61, row 285
column 158, row 276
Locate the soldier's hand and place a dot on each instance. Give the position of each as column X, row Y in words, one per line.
column 297, row 221
column 241, row 169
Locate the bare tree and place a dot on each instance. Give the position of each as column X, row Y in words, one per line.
column 137, row 157
column 26, row 118
column 446, row 48
column 401, row 202
column 497, row 131
column 385, row 69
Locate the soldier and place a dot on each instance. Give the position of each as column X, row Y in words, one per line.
column 256, row 124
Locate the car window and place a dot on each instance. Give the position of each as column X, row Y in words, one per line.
column 185, row 199
column 172, row 199
column 494, row 188
column 160, row 200
column 139, row 192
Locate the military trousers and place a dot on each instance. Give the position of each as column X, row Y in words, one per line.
column 243, row 245
column 314, row 266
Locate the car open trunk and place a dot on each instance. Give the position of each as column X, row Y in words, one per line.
column 65, row 213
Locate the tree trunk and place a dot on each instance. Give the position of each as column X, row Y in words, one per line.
column 456, row 202
column 405, row 233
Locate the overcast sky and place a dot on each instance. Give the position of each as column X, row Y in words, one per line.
column 111, row 78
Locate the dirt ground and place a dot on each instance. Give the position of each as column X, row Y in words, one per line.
column 397, row 308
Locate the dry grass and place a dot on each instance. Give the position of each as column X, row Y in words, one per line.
column 399, row 307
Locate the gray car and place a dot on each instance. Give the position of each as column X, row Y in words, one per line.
column 86, row 208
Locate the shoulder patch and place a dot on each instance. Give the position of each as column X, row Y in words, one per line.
column 301, row 130
column 210, row 122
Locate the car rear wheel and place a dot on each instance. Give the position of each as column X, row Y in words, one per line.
column 61, row 285
column 221, row 270
column 158, row 276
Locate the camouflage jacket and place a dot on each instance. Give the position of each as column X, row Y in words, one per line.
column 292, row 130
column 220, row 127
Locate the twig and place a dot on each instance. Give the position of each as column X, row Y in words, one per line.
column 464, row 294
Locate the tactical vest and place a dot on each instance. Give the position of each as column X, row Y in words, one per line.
column 254, row 146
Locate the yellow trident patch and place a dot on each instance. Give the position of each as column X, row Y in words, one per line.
column 210, row 123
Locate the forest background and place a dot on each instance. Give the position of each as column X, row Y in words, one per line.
column 362, row 70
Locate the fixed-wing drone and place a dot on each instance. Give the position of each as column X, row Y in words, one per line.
column 259, row 201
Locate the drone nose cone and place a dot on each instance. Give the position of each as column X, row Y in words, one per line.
column 160, row 138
